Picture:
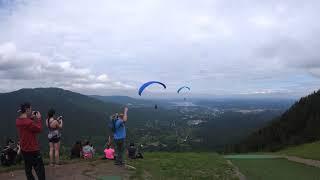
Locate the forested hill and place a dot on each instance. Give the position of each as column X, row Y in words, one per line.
column 123, row 100
column 300, row 124
column 83, row 115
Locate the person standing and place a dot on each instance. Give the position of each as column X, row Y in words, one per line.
column 29, row 126
column 54, row 125
column 119, row 137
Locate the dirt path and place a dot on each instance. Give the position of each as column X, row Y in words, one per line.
column 309, row 162
column 237, row 171
column 77, row 171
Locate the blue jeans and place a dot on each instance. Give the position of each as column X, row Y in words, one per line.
column 119, row 145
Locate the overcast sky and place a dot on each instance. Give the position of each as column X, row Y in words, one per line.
column 217, row 47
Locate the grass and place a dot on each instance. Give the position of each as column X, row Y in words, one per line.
column 251, row 156
column 308, row 151
column 275, row 169
column 183, row 166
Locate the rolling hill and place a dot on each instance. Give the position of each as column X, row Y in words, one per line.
column 83, row 116
column 300, row 124
column 166, row 128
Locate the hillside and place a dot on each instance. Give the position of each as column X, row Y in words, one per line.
column 119, row 99
column 183, row 166
column 308, row 151
column 168, row 128
column 84, row 116
column 160, row 165
column 300, row 124
column 132, row 102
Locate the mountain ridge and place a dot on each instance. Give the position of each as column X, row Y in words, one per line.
column 298, row 125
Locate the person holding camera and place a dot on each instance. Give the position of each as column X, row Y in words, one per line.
column 119, row 136
column 54, row 125
column 29, row 126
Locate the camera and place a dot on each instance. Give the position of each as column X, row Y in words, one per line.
column 35, row 113
column 59, row 119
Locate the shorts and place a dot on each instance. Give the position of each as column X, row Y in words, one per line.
column 54, row 140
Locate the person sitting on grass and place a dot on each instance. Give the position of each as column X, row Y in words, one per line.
column 19, row 155
column 9, row 154
column 139, row 154
column 76, row 150
column 131, row 152
column 87, row 151
column 134, row 153
column 109, row 153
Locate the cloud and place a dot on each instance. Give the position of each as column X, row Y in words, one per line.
column 36, row 69
column 217, row 47
column 294, row 53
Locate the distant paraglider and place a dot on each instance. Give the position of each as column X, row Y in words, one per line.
column 182, row 88
column 145, row 85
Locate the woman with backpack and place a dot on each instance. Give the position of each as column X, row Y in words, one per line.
column 54, row 126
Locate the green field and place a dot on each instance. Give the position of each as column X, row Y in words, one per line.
column 275, row 169
column 308, row 151
column 183, row 166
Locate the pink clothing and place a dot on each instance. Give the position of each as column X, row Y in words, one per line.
column 87, row 156
column 109, row 153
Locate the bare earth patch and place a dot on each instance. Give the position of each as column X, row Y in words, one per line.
column 77, row 171
column 309, row 162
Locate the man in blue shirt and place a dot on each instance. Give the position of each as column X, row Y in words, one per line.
column 119, row 137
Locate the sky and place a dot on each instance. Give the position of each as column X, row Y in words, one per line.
column 217, row 47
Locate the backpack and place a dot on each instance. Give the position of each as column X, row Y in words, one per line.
column 53, row 133
column 112, row 123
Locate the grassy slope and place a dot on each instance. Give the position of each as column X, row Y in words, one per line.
column 175, row 166
column 308, row 151
column 275, row 169
column 183, row 166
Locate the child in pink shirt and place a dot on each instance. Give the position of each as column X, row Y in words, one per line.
column 109, row 153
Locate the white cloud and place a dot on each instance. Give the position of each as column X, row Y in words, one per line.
column 103, row 78
column 36, row 69
column 217, row 47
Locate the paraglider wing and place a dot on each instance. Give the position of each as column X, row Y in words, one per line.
column 145, row 85
column 184, row 87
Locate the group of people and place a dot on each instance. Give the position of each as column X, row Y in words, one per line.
column 85, row 151
column 29, row 125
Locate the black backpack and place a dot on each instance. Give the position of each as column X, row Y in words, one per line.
column 112, row 123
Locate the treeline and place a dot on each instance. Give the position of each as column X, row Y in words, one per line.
column 300, row 124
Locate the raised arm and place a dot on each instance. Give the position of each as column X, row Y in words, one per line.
column 36, row 125
column 125, row 114
column 60, row 123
